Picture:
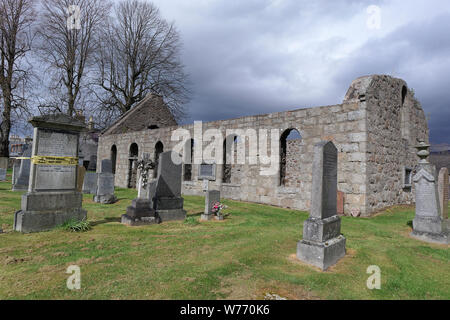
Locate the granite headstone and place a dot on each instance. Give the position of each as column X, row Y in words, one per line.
column 428, row 224
column 322, row 244
column 211, row 198
column 23, row 179
column 90, row 183
column 52, row 198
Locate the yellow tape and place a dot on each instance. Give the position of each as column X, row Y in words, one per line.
column 55, row 161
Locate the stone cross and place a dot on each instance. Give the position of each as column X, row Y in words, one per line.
column 322, row 244
column 205, row 185
column 443, row 189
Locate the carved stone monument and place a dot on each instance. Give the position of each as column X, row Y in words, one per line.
column 141, row 211
column 52, row 198
column 23, row 177
column 322, row 244
column 443, row 192
column 167, row 200
column 428, row 224
column 105, row 184
column 211, row 197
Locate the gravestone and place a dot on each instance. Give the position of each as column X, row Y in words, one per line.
column 2, row 174
column 167, row 200
column 211, row 197
column 52, row 198
column 105, row 184
column 90, row 183
column 205, row 185
column 80, row 179
column 322, row 244
column 4, row 163
column 443, row 192
column 23, row 178
column 15, row 173
column 92, row 163
column 141, row 211
column 428, row 224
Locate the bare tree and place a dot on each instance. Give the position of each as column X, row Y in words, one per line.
column 140, row 54
column 16, row 19
column 68, row 39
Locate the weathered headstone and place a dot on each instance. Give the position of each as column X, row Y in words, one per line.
column 443, row 189
column 15, row 173
column 428, row 224
column 92, row 163
column 167, row 200
column 211, row 197
column 106, row 166
column 80, row 179
column 141, row 211
column 322, row 244
column 90, row 183
column 4, row 163
column 23, row 179
column 2, row 174
column 52, row 198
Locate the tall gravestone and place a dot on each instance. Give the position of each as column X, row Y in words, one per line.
column 322, row 244
column 428, row 224
column 167, row 199
column 52, row 198
column 211, row 197
column 141, row 211
column 443, row 189
column 22, row 181
column 3, row 168
column 105, row 184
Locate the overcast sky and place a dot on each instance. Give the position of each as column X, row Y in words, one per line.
column 251, row 57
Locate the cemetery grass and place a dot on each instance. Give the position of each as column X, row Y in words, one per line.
column 248, row 255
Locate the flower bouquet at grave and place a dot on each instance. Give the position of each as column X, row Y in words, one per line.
column 217, row 208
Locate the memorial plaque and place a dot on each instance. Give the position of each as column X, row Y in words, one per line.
column 207, row 172
column 56, row 144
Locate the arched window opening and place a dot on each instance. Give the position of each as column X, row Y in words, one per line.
column 132, row 165
column 159, row 148
column 290, row 142
column 404, row 114
column 114, row 158
column 229, row 151
column 188, row 160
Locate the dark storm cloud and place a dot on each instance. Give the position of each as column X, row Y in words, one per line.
column 253, row 57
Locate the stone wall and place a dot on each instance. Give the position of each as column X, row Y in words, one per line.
column 366, row 129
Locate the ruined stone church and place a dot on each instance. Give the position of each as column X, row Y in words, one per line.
column 375, row 130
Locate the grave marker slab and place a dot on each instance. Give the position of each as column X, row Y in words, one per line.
column 443, row 189
column 322, row 244
column 167, row 201
column 15, row 173
column 428, row 224
column 211, row 197
column 105, row 189
column 23, row 178
column 90, row 183
column 52, row 198
column 2, row 174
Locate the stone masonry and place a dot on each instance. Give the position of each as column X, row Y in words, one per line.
column 374, row 129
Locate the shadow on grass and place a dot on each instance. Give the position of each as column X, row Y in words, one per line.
column 106, row 220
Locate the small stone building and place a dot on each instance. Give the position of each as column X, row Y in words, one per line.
column 375, row 130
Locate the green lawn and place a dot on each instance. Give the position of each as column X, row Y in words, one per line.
column 248, row 255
